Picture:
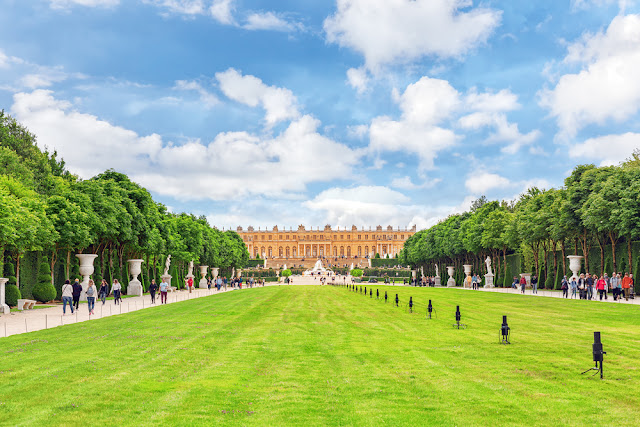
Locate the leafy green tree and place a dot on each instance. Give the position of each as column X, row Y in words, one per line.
column 286, row 273
column 356, row 272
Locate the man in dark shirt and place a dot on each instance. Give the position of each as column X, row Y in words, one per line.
column 77, row 290
column 590, row 284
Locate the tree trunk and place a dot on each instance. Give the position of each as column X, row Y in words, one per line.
column 564, row 258
column 67, row 267
column 1, row 261
column 54, row 253
column 584, row 241
column 613, row 249
column 628, row 255
column 601, row 245
column 18, row 270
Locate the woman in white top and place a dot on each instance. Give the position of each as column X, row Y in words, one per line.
column 67, row 296
column 116, row 288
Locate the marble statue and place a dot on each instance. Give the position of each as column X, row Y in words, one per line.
column 190, row 268
column 437, row 273
column 166, row 266
column 488, row 262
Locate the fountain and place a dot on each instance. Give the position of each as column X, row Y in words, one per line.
column 318, row 268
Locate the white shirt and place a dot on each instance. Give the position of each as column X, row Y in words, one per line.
column 116, row 286
column 67, row 290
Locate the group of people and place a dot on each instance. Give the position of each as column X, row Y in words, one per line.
column 71, row 294
column 522, row 283
column 587, row 285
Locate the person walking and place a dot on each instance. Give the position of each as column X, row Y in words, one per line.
column 103, row 291
column 616, row 286
column 534, row 284
column 565, row 287
column 626, row 286
column 91, row 296
column 523, row 284
column 590, row 282
column 474, row 282
column 190, row 284
column 601, row 287
column 582, row 287
column 67, row 297
column 164, row 288
column 116, row 288
column 607, row 285
column 574, row 287
column 153, row 288
column 77, row 291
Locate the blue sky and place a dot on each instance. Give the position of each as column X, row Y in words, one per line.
column 365, row 112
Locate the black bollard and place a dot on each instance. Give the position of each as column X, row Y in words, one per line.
column 410, row 304
column 598, row 355
column 459, row 325
column 385, row 296
column 397, row 300
column 429, row 310
column 365, row 290
column 505, row 331
column 377, row 294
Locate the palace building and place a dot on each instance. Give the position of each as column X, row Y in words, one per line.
column 326, row 242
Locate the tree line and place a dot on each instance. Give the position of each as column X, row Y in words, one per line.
column 45, row 209
column 595, row 214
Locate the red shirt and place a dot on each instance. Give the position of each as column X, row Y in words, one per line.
column 600, row 285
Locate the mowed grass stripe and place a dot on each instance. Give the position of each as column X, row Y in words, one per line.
column 327, row 356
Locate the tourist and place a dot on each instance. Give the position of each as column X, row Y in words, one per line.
column 116, row 288
column 574, row 287
column 77, row 291
column 514, row 285
column 67, row 296
column 582, row 286
column 190, row 284
column 616, row 285
column 607, row 286
column 534, row 284
column 523, row 284
column 224, row 281
column 164, row 289
column 219, row 283
column 468, row 282
column 590, row 281
column 474, row 281
column 153, row 288
column 103, row 291
column 565, row 287
column 601, row 286
column 626, row 285
column 91, row 296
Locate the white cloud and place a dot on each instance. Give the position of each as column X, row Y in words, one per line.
column 504, row 131
column 279, row 103
column 45, row 77
column 182, row 7
column 504, row 100
column 270, row 21
column 358, row 79
column 607, row 87
column 63, row 4
column 207, row 98
column 222, row 11
column 607, row 150
column 390, row 31
column 481, row 182
column 226, row 168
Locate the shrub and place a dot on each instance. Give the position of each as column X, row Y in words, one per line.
column 356, row 272
column 377, row 255
column 12, row 295
column 10, row 272
column 286, row 273
column 44, row 291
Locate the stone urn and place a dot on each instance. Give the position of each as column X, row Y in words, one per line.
column 135, row 268
column 575, row 264
column 203, row 282
column 451, row 283
column 86, row 270
column 214, row 272
column 4, row 308
column 467, row 272
column 527, row 277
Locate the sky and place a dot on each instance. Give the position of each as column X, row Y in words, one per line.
column 340, row 112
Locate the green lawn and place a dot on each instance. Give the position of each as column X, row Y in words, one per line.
column 292, row 355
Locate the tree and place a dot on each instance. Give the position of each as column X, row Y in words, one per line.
column 356, row 272
column 44, row 291
column 286, row 273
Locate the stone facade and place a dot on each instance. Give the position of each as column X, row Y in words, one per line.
column 326, row 242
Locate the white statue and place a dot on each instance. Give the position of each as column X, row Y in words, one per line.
column 190, row 268
column 488, row 262
column 437, row 274
column 166, row 266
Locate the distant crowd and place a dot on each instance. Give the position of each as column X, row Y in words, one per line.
column 587, row 286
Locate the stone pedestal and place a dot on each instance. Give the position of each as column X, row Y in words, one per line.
column 467, row 273
column 135, row 268
column 437, row 279
column 203, row 282
column 4, row 308
column 451, row 283
column 488, row 281
column 86, row 270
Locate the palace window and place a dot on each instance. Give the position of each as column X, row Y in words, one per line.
column 359, row 237
column 269, row 239
column 366, row 237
